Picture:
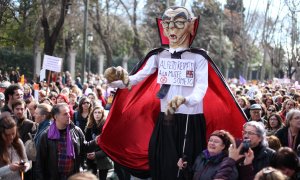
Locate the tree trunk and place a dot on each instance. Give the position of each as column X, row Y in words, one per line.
column 51, row 38
column 104, row 38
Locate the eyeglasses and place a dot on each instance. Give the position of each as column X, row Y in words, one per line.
column 272, row 110
column 255, row 112
column 297, row 117
column 249, row 133
column 177, row 24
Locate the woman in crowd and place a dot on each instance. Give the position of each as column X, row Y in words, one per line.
column 100, row 96
column 97, row 159
column 211, row 162
column 288, row 104
column 274, row 142
column 73, row 101
column 289, row 135
column 274, row 123
column 53, row 97
column 27, row 92
column 13, row 159
column 81, row 116
column 94, row 99
column 268, row 101
column 243, row 102
column 270, row 110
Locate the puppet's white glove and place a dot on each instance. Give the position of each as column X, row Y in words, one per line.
column 117, row 73
column 174, row 104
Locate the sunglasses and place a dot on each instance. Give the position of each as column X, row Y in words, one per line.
column 272, row 110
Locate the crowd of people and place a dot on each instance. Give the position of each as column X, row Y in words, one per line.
column 64, row 123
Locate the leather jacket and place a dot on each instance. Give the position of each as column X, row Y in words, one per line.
column 47, row 156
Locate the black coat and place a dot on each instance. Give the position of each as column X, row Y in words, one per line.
column 47, row 157
column 101, row 159
column 282, row 135
column 219, row 166
column 262, row 158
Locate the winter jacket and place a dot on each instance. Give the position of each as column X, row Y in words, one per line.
column 47, row 157
column 101, row 159
column 282, row 135
column 219, row 166
column 262, row 158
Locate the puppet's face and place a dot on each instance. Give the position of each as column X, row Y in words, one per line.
column 178, row 26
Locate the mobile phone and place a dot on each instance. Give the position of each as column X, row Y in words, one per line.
column 246, row 146
column 22, row 163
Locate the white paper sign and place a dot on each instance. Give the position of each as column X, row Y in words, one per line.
column 176, row 71
column 36, row 95
column 42, row 74
column 52, row 63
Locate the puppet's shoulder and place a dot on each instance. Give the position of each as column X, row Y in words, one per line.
column 200, row 51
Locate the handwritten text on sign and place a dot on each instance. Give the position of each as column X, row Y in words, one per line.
column 52, row 63
column 176, row 71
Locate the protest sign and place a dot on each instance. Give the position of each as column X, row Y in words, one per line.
column 52, row 63
column 176, row 72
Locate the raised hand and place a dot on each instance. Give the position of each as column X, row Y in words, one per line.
column 117, row 73
column 234, row 152
column 174, row 104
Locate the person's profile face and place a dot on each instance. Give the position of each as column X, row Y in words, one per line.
column 18, row 94
column 63, row 117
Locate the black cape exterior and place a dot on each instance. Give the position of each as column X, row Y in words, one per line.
column 132, row 117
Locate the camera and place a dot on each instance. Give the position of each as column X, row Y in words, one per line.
column 22, row 163
column 246, row 146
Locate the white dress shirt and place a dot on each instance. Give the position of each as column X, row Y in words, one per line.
column 193, row 95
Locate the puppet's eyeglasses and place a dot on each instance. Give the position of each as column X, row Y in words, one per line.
column 176, row 24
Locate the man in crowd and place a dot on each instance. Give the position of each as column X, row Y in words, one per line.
column 255, row 113
column 12, row 93
column 25, row 126
column 258, row 156
column 62, row 146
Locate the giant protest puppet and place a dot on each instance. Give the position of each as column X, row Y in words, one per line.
column 168, row 104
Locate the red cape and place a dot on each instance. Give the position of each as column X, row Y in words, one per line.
column 128, row 128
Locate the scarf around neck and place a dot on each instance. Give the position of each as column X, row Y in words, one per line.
column 54, row 134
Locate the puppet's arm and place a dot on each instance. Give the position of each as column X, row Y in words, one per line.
column 118, row 77
column 117, row 73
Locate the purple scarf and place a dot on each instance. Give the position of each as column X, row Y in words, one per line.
column 54, row 133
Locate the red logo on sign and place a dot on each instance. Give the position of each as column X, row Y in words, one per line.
column 189, row 74
column 163, row 79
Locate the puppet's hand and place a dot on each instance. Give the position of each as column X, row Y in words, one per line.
column 174, row 104
column 117, row 73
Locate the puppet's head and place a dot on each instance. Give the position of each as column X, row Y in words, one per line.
column 178, row 26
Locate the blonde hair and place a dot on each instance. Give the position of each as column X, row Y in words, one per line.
column 83, row 176
column 269, row 173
